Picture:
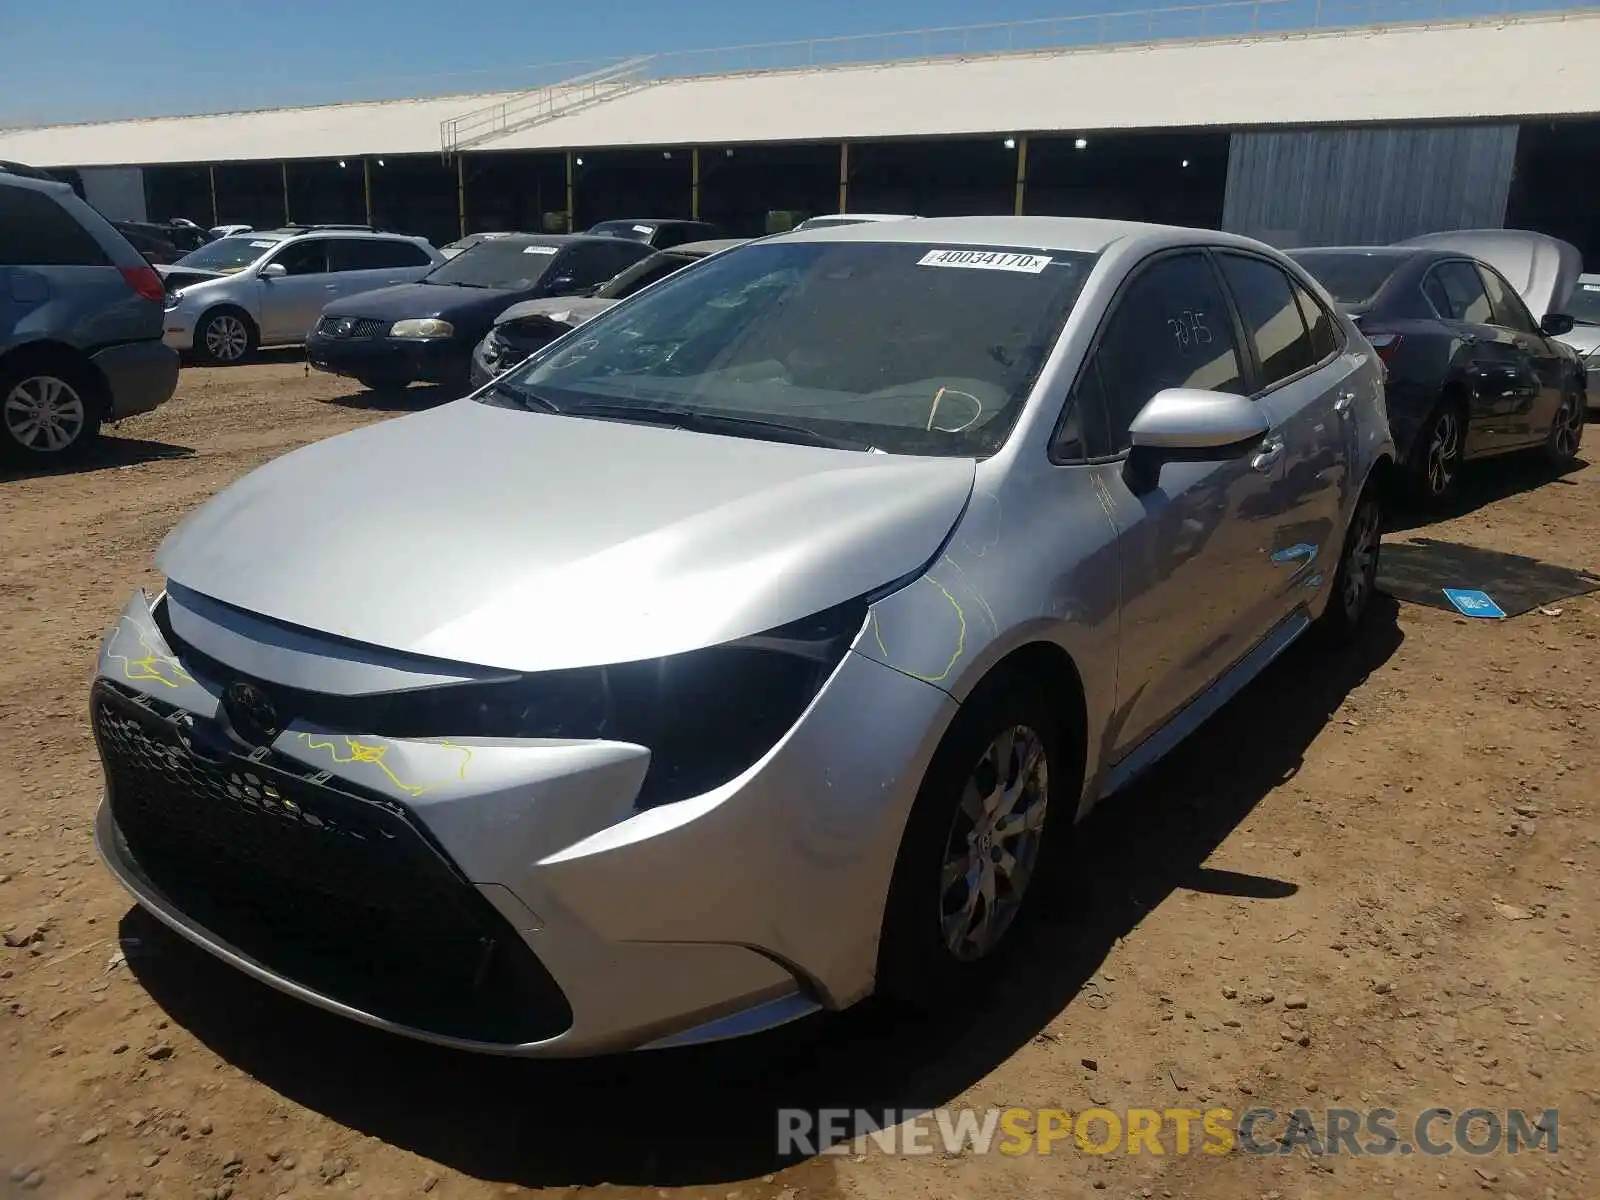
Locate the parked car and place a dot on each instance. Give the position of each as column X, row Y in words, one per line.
column 80, row 323
column 1584, row 308
column 1471, row 373
column 834, row 220
column 426, row 331
column 267, row 288
column 749, row 653
column 153, row 241
column 222, row 231
column 451, row 249
column 525, row 327
column 658, row 233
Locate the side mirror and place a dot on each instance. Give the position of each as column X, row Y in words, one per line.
column 273, row 271
column 1556, row 324
column 1191, row 425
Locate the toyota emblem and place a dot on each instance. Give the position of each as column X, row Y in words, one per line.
column 251, row 712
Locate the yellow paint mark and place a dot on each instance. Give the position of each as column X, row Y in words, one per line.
column 977, row 595
column 152, row 667
column 357, row 751
column 961, row 639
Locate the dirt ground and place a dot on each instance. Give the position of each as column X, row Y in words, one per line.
column 1402, row 837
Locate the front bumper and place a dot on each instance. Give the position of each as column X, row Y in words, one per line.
column 178, row 330
column 391, row 360
column 139, row 376
column 610, row 928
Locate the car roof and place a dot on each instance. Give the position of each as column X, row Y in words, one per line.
column 36, row 183
column 710, row 246
column 1090, row 235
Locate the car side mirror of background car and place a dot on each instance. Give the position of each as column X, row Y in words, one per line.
column 1556, row 324
column 1191, row 425
column 273, row 271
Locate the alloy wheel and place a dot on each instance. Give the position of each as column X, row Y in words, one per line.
column 226, row 338
column 1569, row 428
column 1361, row 561
column 993, row 845
column 45, row 414
column 1444, row 449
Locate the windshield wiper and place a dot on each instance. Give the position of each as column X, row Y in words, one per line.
column 522, row 397
column 700, row 421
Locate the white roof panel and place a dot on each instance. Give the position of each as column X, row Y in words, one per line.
column 1475, row 71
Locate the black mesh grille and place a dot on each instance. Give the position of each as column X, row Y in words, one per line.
column 352, row 327
column 337, row 890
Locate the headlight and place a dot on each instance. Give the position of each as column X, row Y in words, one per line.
column 705, row 716
column 422, row 327
column 173, row 300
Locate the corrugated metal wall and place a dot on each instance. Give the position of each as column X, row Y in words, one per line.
column 1371, row 185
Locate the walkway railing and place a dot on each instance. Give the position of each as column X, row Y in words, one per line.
column 544, row 104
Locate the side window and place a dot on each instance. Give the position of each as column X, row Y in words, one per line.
column 1433, row 291
column 590, row 265
column 1271, row 317
column 1170, row 328
column 618, row 258
column 35, row 231
column 641, row 275
column 303, row 258
column 1324, row 338
column 1463, row 293
column 1082, row 433
column 1507, row 306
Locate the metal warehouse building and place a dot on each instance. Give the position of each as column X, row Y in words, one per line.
column 1316, row 136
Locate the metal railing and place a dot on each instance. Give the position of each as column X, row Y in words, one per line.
column 543, row 104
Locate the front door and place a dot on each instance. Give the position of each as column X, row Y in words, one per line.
column 1503, row 387
column 291, row 303
column 1195, row 549
column 1539, row 358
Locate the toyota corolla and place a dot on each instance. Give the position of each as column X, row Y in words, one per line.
column 748, row 649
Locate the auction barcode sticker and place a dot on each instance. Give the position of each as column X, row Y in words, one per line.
column 986, row 260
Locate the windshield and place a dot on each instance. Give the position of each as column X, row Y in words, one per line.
column 908, row 348
column 1584, row 307
column 1352, row 277
column 229, row 253
column 633, row 231
column 512, row 266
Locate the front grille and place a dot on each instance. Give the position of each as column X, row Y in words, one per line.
column 336, row 889
column 352, row 327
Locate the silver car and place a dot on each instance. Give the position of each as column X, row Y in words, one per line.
column 1584, row 307
column 266, row 288
column 743, row 651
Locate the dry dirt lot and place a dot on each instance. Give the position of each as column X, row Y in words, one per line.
column 1403, row 838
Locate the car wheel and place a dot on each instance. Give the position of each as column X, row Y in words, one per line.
column 971, row 855
column 1355, row 582
column 225, row 337
column 1437, row 457
column 47, row 412
column 1566, row 434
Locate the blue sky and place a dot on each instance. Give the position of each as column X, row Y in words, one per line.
column 72, row 60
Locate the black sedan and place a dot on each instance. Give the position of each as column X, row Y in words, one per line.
column 662, row 233
column 1470, row 373
column 425, row 331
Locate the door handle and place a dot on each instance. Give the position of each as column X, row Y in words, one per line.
column 1343, row 402
column 1470, row 339
column 330, row 287
column 1267, row 457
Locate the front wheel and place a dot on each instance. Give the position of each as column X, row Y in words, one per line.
column 1566, row 434
column 969, row 861
column 225, row 337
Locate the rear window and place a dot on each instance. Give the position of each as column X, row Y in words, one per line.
column 35, row 231
column 1351, row 277
column 1585, row 303
column 502, row 264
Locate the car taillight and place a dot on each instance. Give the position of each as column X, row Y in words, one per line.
column 145, row 281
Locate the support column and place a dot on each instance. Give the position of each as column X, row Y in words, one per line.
column 694, row 184
column 211, row 176
column 844, row 176
column 366, row 186
column 461, row 192
column 571, row 185
column 284, row 170
column 1022, row 172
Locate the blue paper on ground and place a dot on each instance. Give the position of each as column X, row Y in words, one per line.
column 1471, row 603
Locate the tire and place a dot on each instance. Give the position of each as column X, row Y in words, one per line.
column 225, row 337
column 48, row 412
column 939, row 934
column 1436, row 457
column 1355, row 582
column 379, row 383
column 1566, row 432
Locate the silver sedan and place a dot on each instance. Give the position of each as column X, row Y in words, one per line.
column 745, row 650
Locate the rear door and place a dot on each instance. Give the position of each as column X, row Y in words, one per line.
column 1503, row 388
column 1541, row 357
column 289, row 305
column 1309, row 391
column 1199, row 589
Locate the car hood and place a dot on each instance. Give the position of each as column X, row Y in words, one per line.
column 568, row 310
column 1585, row 339
column 528, row 542
column 1543, row 269
column 450, row 301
